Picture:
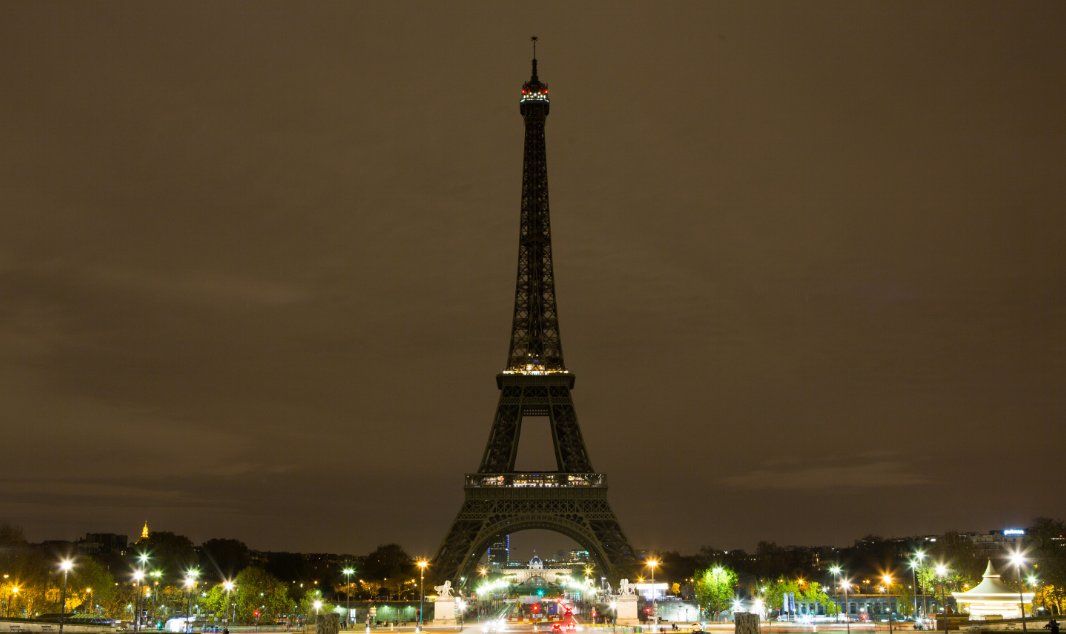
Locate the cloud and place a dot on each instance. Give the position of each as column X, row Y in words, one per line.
column 873, row 475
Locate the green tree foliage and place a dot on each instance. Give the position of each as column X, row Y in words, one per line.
column 714, row 588
column 90, row 585
column 1046, row 548
column 804, row 591
column 306, row 608
column 258, row 589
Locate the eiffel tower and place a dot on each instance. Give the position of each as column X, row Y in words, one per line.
column 571, row 500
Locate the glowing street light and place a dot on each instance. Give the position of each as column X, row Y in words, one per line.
column 138, row 577
column 652, row 563
column 422, row 565
column 15, row 589
column 1017, row 559
column 228, row 585
column 191, row 575
column 887, row 581
column 915, row 564
column 838, row 574
column 65, row 566
column 317, row 605
column 348, row 572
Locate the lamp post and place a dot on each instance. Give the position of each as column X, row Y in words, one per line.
column 348, row 572
column 228, row 585
column 652, row 563
column 65, row 566
column 887, row 580
column 916, row 563
column 422, row 565
column 942, row 575
column 138, row 577
column 843, row 583
column 1017, row 559
column 190, row 585
column 482, row 572
column 15, row 589
column 156, row 575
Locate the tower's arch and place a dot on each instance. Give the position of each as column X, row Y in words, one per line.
column 567, row 528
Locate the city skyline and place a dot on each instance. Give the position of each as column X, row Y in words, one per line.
column 259, row 263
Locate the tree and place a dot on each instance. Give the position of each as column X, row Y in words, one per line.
column 807, row 592
column 257, row 589
column 90, row 585
column 714, row 589
column 1045, row 546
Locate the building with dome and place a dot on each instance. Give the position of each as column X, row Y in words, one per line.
column 993, row 599
column 536, row 574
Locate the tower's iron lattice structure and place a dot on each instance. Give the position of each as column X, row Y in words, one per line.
column 571, row 500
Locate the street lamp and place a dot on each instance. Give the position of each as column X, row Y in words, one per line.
column 1017, row 559
column 138, row 577
column 65, row 566
column 229, row 586
column 843, row 583
column 916, row 563
column 156, row 575
column 317, row 605
column 942, row 572
column 348, row 572
column 15, row 589
column 190, row 584
column 422, row 565
column 887, row 580
column 652, row 563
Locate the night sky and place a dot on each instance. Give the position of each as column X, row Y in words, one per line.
column 257, row 264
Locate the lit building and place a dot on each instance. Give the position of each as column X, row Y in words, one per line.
column 992, row 598
column 535, row 573
column 102, row 544
column 499, row 552
column 995, row 543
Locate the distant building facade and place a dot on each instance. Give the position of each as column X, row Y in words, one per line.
column 499, row 552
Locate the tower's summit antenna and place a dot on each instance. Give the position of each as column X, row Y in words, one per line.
column 533, row 39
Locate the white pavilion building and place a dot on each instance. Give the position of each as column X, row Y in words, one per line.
column 993, row 599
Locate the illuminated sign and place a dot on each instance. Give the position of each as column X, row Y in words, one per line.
column 1013, row 532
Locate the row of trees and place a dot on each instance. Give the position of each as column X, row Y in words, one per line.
column 221, row 579
column 871, row 558
column 716, row 588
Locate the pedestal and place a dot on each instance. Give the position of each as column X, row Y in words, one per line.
column 626, row 612
column 444, row 612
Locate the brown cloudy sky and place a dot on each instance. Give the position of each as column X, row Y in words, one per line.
column 257, row 259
